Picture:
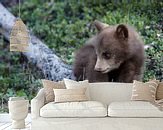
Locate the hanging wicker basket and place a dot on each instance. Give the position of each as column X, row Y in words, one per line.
column 19, row 37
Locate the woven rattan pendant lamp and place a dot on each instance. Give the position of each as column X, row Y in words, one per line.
column 19, row 36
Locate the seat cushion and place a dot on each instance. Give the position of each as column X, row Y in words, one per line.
column 74, row 109
column 133, row 109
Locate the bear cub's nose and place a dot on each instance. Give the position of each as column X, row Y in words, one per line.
column 98, row 69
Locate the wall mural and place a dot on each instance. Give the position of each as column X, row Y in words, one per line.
column 60, row 29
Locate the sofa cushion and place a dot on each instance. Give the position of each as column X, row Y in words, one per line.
column 144, row 91
column 70, row 95
column 71, row 84
column 74, row 109
column 48, row 88
column 159, row 94
column 133, row 109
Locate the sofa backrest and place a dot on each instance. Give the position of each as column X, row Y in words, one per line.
column 107, row 92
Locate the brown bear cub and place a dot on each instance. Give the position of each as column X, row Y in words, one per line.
column 115, row 54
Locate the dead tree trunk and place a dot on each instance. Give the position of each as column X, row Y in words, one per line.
column 45, row 59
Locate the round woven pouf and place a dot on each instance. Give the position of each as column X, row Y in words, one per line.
column 18, row 110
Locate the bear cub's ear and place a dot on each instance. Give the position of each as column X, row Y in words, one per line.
column 122, row 32
column 99, row 25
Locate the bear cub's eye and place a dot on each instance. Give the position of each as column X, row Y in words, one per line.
column 106, row 55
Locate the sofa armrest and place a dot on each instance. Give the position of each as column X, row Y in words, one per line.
column 36, row 104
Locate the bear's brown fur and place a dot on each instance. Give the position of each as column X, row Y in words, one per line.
column 115, row 54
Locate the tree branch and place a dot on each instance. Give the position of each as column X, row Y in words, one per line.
column 51, row 65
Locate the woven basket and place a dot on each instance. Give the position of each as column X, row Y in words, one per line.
column 19, row 37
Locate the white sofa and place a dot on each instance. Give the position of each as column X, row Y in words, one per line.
column 119, row 112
